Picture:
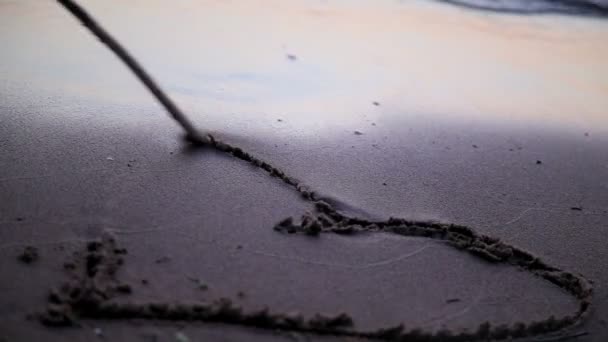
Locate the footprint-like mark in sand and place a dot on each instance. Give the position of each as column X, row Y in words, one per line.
column 94, row 283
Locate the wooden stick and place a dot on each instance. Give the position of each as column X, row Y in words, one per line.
column 192, row 134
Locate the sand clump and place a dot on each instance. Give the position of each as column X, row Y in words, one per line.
column 29, row 255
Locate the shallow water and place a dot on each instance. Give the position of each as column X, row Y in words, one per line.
column 597, row 8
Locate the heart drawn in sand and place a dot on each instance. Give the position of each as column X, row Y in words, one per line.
column 94, row 280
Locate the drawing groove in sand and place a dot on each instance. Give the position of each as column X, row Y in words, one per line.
column 93, row 281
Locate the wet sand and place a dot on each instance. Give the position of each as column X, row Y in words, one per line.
column 507, row 136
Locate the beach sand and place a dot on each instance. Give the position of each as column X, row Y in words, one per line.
column 413, row 110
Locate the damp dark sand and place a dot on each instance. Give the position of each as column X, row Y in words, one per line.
column 83, row 159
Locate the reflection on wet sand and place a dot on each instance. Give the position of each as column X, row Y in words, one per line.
column 223, row 58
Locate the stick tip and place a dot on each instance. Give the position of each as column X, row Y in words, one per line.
column 198, row 139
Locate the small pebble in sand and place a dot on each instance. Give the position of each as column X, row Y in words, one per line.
column 280, row 120
column 110, row 158
column 376, row 103
column 384, row 184
column 538, row 162
column 358, row 133
column 162, row 260
column 291, row 57
column 576, row 208
column 453, row 300
column 586, row 134
column 200, row 284
column 29, row 255
column 475, row 146
column 19, row 219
